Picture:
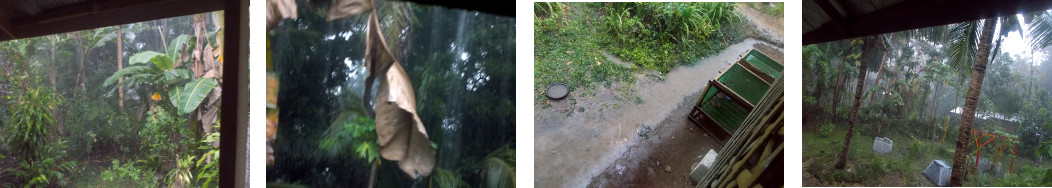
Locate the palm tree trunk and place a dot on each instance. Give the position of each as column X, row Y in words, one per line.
column 120, row 65
column 970, row 102
column 842, row 161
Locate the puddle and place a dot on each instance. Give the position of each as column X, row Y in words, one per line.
column 573, row 146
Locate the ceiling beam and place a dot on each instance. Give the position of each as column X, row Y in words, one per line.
column 105, row 13
column 5, row 26
column 918, row 14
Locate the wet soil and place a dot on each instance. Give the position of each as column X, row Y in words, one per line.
column 616, row 136
column 770, row 28
column 677, row 144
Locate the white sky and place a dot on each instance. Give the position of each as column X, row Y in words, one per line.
column 1015, row 45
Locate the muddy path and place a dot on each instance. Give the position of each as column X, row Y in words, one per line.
column 592, row 130
column 768, row 28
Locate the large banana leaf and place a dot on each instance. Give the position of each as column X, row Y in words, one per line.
column 187, row 98
column 143, row 57
column 127, row 70
column 176, row 46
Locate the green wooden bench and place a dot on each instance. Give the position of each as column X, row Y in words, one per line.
column 728, row 99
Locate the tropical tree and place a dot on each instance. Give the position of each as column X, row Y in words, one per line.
column 977, row 38
column 872, row 46
column 89, row 40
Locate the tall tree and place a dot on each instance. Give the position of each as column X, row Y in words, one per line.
column 871, row 46
column 970, row 102
column 120, row 65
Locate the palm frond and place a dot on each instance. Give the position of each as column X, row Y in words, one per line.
column 1039, row 31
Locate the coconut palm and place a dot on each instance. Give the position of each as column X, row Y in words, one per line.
column 973, row 41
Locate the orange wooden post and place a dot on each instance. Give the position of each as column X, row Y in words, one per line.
column 1010, row 165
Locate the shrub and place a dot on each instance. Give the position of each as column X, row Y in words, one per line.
column 97, row 125
column 126, row 175
column 50, row 170
column 660, row 36
column 31, row 123
column 826, row 130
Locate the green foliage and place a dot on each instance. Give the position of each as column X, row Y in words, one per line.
column 826, row 129
column 1030, row 177
column 126, row 175
column 99, row 126
column 186, row 98
column 31, row 123
column 569, row 50
column 162, row 137
column 357, row 135
column 659, row 36
column 156, row 76
column 443, row 178
column 47, row 171
column 208, row 168
column 547, row 9
column 498, row 168
column 180, row 175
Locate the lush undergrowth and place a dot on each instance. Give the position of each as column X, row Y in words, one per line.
column 661, row 36
column 570, row 39
column 904, row 165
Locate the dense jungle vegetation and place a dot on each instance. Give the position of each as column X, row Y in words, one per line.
column 132, row 105
column 920, row 88
column 461, row 66
column 572, row 37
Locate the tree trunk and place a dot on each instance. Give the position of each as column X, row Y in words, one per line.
column 881, row 69
column 79, row 73
column 120, row 65
column 970, row 102
column 53, row 61
column 934, row 98
column 839, row 83
column 870, row 43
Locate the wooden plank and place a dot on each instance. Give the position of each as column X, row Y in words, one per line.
column 234, row 104
column 737, row 98
column 748, row 67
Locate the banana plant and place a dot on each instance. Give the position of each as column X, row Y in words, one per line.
column 152, row 69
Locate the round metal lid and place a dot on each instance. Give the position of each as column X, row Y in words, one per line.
column 557, row 91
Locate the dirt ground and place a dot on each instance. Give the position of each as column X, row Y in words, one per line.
column 605, row 131
column 676, row 144
column 770, row 27
column 627, row 135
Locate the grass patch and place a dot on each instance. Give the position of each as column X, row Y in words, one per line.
column 776, row 9
column 569, row 39
column 909, row 157
column 568, row 49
